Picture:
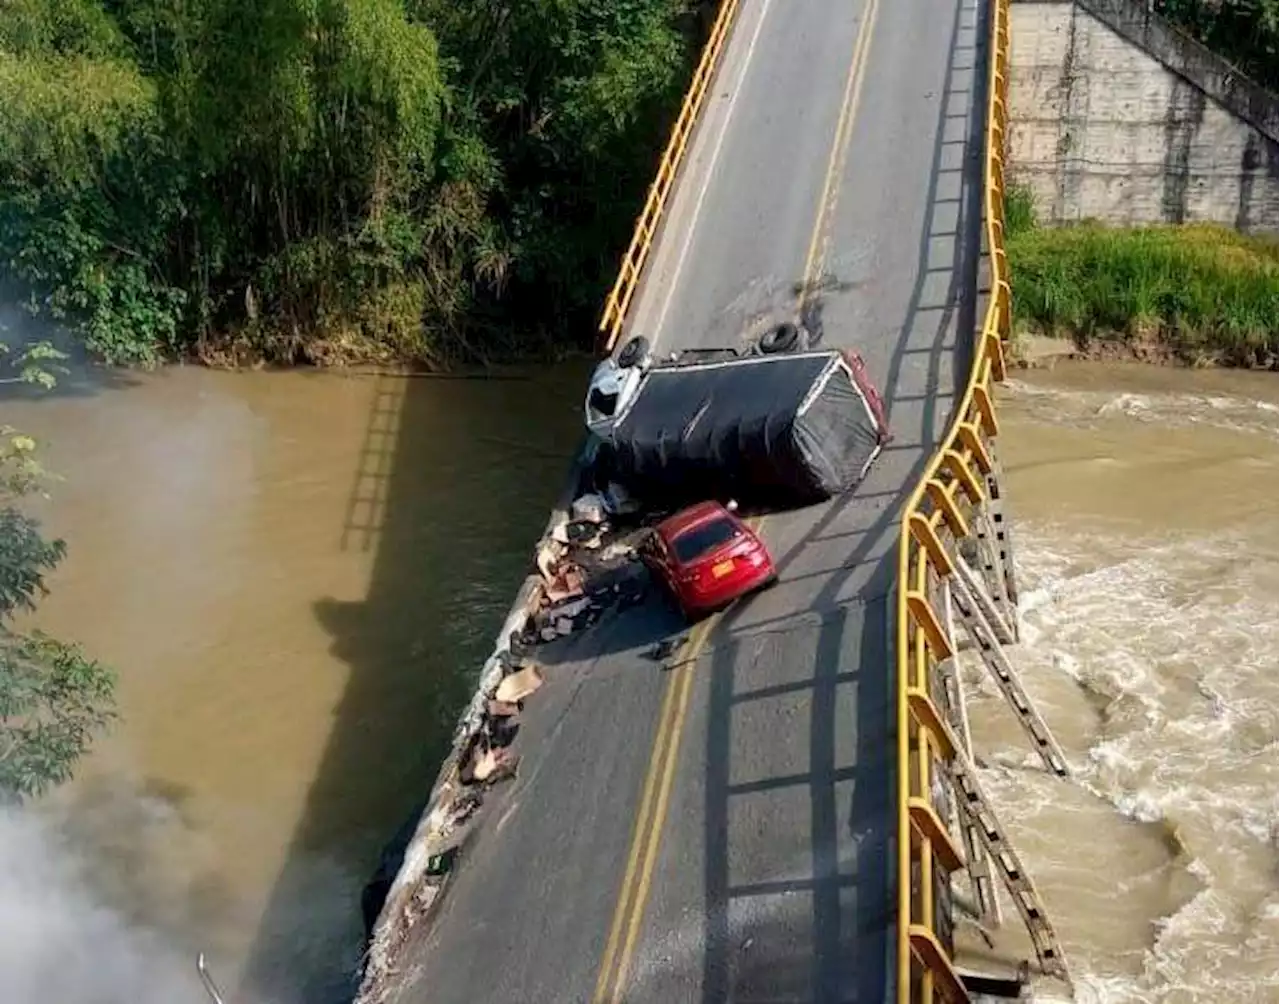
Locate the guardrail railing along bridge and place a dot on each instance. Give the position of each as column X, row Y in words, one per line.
column 955, row 556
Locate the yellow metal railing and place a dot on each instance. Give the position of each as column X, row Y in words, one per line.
column 939, row 508
column 624, row 287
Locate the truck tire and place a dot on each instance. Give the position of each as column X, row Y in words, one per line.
column 634, row 352
column 783, row 338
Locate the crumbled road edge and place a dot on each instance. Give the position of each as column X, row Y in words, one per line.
column 411, row 897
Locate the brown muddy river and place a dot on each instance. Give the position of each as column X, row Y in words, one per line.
column 1145, row 504
column 298, row 575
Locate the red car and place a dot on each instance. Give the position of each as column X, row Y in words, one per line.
column 708, row 557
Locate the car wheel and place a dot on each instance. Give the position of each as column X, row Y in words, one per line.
column 634, row 352
column 785, row 337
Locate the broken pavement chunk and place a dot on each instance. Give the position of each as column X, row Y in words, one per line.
column 569, row 581
column 589, row 507
column 518, row 685
column 493, row 764
column 449, row 816
column 550, row 552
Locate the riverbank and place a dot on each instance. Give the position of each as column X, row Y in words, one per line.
column 365, row 358
column 1197, row 294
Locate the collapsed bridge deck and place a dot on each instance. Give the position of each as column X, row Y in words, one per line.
column 721, row 826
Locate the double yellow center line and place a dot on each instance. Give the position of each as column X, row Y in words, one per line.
column 647, row 835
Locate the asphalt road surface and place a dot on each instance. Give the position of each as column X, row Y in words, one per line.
column 723, row 829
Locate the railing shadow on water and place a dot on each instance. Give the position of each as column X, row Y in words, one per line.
column 467, row 471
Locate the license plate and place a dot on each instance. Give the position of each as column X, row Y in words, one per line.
column 722, row 569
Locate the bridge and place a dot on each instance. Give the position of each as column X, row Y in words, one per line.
column 776, row 811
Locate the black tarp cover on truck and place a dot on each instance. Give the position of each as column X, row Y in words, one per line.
column 785, row 429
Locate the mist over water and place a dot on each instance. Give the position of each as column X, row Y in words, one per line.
column 59, row 938
column 1145, row 519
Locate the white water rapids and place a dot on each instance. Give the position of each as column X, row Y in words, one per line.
column 1146, row 533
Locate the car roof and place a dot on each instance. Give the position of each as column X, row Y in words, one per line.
column 674, row 525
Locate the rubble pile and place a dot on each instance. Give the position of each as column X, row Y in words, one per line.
column 586, row 566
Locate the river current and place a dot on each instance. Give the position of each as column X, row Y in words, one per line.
column 1145, row 506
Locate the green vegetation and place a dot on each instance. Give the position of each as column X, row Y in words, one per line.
column 1200, row 292
column 53, row 700
column 1242, row 31
column 331, row 179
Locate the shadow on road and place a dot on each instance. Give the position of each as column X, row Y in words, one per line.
column 821, row 937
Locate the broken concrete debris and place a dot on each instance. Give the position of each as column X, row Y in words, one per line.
column 489, row 764
column 517, row 685
column 589, row 508
column 586, row 564
column 454, row 809
column 501, row 709
column 567, row 581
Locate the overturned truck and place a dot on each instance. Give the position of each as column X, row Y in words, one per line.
column 770, row 430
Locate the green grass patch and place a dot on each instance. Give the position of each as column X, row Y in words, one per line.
column 1203, row 292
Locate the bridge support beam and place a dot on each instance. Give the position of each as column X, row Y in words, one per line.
column 991, row 550
column 960, row 589
column 977, row 863
column 962, row 576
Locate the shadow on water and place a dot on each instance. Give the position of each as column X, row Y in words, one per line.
column 455, row 484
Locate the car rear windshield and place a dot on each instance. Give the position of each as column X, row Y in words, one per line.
column 704, row 537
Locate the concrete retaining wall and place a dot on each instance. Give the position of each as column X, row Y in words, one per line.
column 1117, row 116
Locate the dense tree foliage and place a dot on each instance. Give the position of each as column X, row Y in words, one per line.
column 1244, row 31
column 53, row 700
column 308, row 179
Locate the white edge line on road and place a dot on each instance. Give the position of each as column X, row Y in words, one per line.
column 692, row 226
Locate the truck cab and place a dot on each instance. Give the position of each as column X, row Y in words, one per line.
column 617, row 379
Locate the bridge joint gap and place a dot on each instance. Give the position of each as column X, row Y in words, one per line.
column 791, row 780
column 781, row 886
column 779, row 689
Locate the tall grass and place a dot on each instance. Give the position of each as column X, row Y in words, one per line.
column 1203, row 291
